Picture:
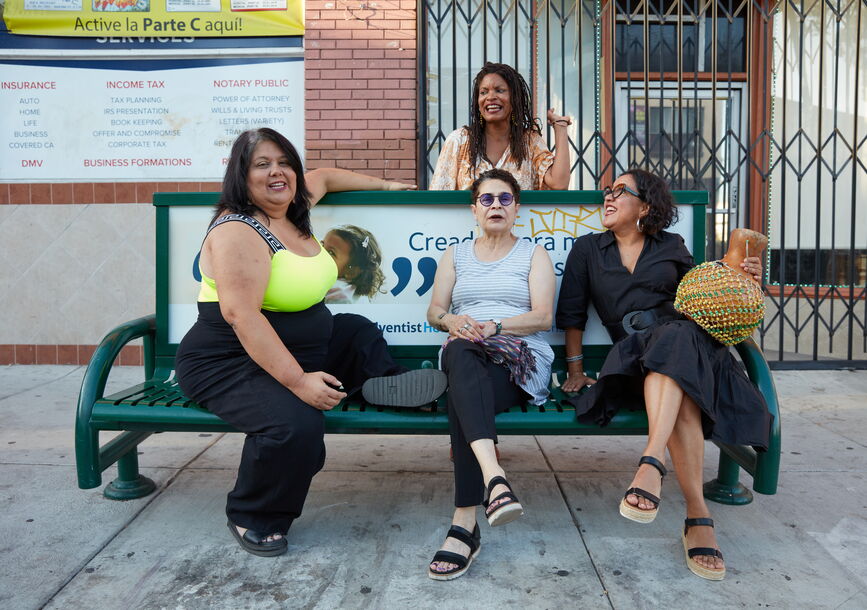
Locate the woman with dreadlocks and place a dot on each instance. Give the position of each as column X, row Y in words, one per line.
column 503, row 134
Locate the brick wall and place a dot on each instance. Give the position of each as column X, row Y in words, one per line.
column 361, row 86
column 361, row 100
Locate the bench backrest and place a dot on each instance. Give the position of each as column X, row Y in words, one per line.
column 412, row 229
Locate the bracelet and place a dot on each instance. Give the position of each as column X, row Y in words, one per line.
column 577, row 358
column 442, row 315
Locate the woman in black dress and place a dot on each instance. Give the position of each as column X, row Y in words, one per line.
column 689, row 383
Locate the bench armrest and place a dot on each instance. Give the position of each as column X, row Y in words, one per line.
column 767, row 462
column 93, row 389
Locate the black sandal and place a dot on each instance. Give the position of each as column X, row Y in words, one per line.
column 257, row 543
column 634, row 513
column 474, row 541
column 504, row 512
column 694, row 566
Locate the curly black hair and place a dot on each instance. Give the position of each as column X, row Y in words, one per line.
column 496, row 174
column 521, row 122
column 654, row 191
column 235, row 197
column 365, row 258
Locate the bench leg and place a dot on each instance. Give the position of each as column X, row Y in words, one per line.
column 129, row 484
column 726, row 488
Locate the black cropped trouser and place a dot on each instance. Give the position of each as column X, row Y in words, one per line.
column 478, row 390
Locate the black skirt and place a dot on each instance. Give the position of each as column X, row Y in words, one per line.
column 733, row 410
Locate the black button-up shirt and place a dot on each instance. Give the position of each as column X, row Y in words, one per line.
column 594, row 273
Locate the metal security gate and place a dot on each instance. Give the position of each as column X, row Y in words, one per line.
column 757, row 102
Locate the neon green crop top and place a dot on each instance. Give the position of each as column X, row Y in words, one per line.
column 296, row 282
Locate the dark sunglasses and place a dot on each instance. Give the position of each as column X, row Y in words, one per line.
column 487, row 199
column 618, row 189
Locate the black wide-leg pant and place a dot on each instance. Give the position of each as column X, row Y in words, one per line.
column 283, row 449
column 357, row 351
column 478, row 390
column 284, row 446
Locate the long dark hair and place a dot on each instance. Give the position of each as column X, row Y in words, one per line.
column 654, row 191
column 235, row 197
column 521, row 122
column 365, row 257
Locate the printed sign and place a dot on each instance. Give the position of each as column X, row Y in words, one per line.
column 195, row 18
column 158, row 124
column 408, row 241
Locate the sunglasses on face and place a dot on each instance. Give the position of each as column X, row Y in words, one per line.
column 487, row 199
column 617, row 190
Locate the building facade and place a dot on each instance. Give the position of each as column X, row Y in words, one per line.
column 760, row 104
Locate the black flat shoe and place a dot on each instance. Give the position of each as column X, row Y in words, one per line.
column 410, row 389
column 257, row 543
column 640, row 515
column 504, row 512
column 474, row 541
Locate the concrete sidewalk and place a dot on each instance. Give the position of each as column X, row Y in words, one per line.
column 381, row 507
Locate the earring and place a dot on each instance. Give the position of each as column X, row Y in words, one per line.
column 514, row 122
column 638, row 226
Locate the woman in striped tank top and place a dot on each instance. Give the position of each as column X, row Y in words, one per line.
column 494, row 296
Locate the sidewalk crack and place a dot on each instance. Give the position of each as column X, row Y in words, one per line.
column 41, row 385
column 574, row 521
column 156, row 494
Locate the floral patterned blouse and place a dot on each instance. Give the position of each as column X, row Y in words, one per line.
column 455, row 173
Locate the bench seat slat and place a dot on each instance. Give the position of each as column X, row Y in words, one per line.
column 176, row 412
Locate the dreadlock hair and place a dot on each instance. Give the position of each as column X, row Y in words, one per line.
column 365, row 257
column 235, row 197
column 520, row 123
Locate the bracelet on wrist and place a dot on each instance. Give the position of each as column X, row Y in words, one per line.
column 577, row 358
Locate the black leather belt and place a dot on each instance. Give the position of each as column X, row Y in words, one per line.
column 640, row 320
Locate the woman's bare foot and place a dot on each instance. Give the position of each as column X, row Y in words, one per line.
column 268, row 538
column 704, row 536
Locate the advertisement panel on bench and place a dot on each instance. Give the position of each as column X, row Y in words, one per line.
column 409, row 241
column 134, row 18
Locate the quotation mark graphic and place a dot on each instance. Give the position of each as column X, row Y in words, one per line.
column 197, row 275
column 402, row 267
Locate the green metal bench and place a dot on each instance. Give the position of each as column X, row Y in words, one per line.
column 158, row 405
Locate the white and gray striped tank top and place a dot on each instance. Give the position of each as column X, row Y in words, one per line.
column 499, row 290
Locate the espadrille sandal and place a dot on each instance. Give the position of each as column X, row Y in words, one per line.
column 698, row 551
column 634, row 513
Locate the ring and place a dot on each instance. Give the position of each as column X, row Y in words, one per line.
column 463, row 330
column 466, row 326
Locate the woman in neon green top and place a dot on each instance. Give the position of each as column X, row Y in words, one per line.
column 265, row 354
